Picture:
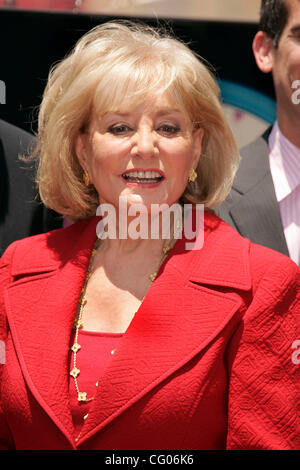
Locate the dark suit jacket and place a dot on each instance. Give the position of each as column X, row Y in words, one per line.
column 252, row 208
column 21, row 214
column 204, row 364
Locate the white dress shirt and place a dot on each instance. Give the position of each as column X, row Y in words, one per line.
column 284, row 160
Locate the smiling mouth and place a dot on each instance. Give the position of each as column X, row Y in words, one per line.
column 142, row 177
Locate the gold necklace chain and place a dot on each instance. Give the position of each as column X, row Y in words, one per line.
column 82, row 396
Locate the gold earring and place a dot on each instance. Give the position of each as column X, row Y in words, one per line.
column 192, row 175
column 86, row 178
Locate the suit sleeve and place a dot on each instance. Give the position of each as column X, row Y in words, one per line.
column 6, row 440
column 264, row 377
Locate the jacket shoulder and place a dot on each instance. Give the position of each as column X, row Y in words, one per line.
column 38, row 253
column 42, row 251
column 260, row 254
column 253, row 166
column 261, row 258
column 258, row 145
column 243, row 256
column 14, row 137
column 276, row 270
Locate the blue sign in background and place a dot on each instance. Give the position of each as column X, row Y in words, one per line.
column 248, row 99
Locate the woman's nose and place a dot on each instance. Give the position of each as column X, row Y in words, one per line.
column 144, row 144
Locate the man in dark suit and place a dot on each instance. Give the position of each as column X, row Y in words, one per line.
column 21, row 214
column 264, row 204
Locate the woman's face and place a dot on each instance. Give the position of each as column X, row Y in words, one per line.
column 144, row 155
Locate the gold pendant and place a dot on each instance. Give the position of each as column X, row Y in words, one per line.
column 75, row 348
column 82, row 396
column 75, row 372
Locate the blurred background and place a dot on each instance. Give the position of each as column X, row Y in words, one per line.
column 34, row 34
column 226, row 10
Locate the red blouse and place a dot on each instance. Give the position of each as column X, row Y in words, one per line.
column 95, row 352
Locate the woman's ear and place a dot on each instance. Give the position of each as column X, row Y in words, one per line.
column 263, row 50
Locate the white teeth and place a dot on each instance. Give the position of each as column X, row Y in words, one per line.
column 143, row 174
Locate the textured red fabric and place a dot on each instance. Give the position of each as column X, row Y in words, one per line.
column 206, row 362
column 96, row 350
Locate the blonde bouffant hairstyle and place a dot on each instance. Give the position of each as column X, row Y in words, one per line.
column 114, row 67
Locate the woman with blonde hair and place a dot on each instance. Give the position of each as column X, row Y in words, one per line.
column 118, row 336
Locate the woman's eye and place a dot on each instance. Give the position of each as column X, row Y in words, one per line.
column 169, row 129
column 119, row 129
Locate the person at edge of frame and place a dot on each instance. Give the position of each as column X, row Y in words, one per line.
column 264, row 203
column 21, row 212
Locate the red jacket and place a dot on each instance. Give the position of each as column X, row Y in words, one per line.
column 206, row 362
